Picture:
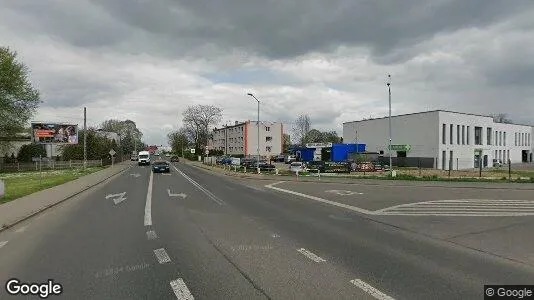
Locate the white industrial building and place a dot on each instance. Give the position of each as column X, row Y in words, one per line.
column 455, row 140
column 242, row 138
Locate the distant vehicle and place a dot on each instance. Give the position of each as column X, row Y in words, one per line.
column 143, row 158
column 297, row 166
column 175, row 159
column 161, row 166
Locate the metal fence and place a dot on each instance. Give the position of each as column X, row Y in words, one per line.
column 48, row 165
column 419, row 162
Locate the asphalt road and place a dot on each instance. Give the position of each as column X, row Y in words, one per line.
column 231, row 239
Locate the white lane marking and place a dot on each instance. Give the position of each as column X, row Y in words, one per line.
column 462, row 207
column 180, row 290
column 22, row 229
column 350, row 207
column 151, row 235
column 198, row 186
column 162, row 256
column 148, row 205
column 3, row 243
column 311, row 255
column 371, row 290
column 399, row 210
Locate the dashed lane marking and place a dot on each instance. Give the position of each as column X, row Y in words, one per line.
column 311, row 255
column 180, row 290
column 370, row 290
column 162, row 256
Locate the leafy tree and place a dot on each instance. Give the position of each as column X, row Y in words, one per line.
column 301, row 128
column 197, row 120
column 27, row 152
column 178, row 140
column 501, row 118
column 129, row 133
column 18, row 98
column 286, row 143
column 331, row 137
column 97, row 147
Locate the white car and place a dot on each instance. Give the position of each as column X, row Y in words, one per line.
column 297, row 166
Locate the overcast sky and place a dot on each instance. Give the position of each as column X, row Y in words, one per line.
column 147, row 60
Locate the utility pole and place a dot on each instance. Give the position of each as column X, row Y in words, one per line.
column 84, row 137
column 258, row 162
column 390, row 159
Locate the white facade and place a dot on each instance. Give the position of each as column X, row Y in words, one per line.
column 242, row 138
column 443, row 134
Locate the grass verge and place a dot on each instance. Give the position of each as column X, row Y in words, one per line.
column 24, row 183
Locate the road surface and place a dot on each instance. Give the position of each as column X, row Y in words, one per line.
column 192, row 234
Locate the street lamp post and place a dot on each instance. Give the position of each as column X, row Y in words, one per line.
column 258, row 149
column 388, row 83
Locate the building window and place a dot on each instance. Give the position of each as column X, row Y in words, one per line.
column 458, row 134
column 450, row 161
column 495, row 156
column 268, row 148
column 504, row 138
column 268, row 138
column 443, row 160
column 488, row 135
column 507, row 156
column 515, row 139
column 463, row 134
column 478, row 135
column 444, row 134
column 529, row 139
column 496, row 138
column 468, row 135
column 267, row 128
column 451, row 138
column 500, row 138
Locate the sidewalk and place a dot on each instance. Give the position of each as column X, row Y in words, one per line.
column 331, row 179
column 23, row 208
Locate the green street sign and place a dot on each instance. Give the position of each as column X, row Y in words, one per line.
column 406, row 148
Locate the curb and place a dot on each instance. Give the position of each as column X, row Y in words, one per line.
column 34, row 213
column 292, row 179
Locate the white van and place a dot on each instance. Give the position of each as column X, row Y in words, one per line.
column 143, row 158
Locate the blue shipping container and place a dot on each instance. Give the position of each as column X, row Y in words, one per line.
column 341, row 152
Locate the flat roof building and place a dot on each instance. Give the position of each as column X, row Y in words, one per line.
column 454, row 140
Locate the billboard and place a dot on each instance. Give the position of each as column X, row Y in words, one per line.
column 55, row 133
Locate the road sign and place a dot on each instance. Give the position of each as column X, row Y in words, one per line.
column 112, row 152
column 207, row 152
column 192, row 151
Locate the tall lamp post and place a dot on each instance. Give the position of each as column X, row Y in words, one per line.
column 388, row 83
column 258, row 149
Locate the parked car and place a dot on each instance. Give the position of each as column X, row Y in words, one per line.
column 161, row 166
column 297, row 166
column 279, row 158
column 267, row 167
column 175, row 159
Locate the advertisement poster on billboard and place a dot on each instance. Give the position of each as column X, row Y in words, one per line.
column 55, row 133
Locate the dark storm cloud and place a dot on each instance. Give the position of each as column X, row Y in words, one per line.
column 275, row 28
column 284, row 29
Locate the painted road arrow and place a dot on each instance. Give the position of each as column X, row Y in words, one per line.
column 176, row 195
column 117, row 198
column 135, row 175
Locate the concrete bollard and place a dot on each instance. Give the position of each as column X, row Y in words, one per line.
column 276, row 171
column 245, row 170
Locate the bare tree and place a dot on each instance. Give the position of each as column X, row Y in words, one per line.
column 198, row 119
column 302, row 127
column 501, row 118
